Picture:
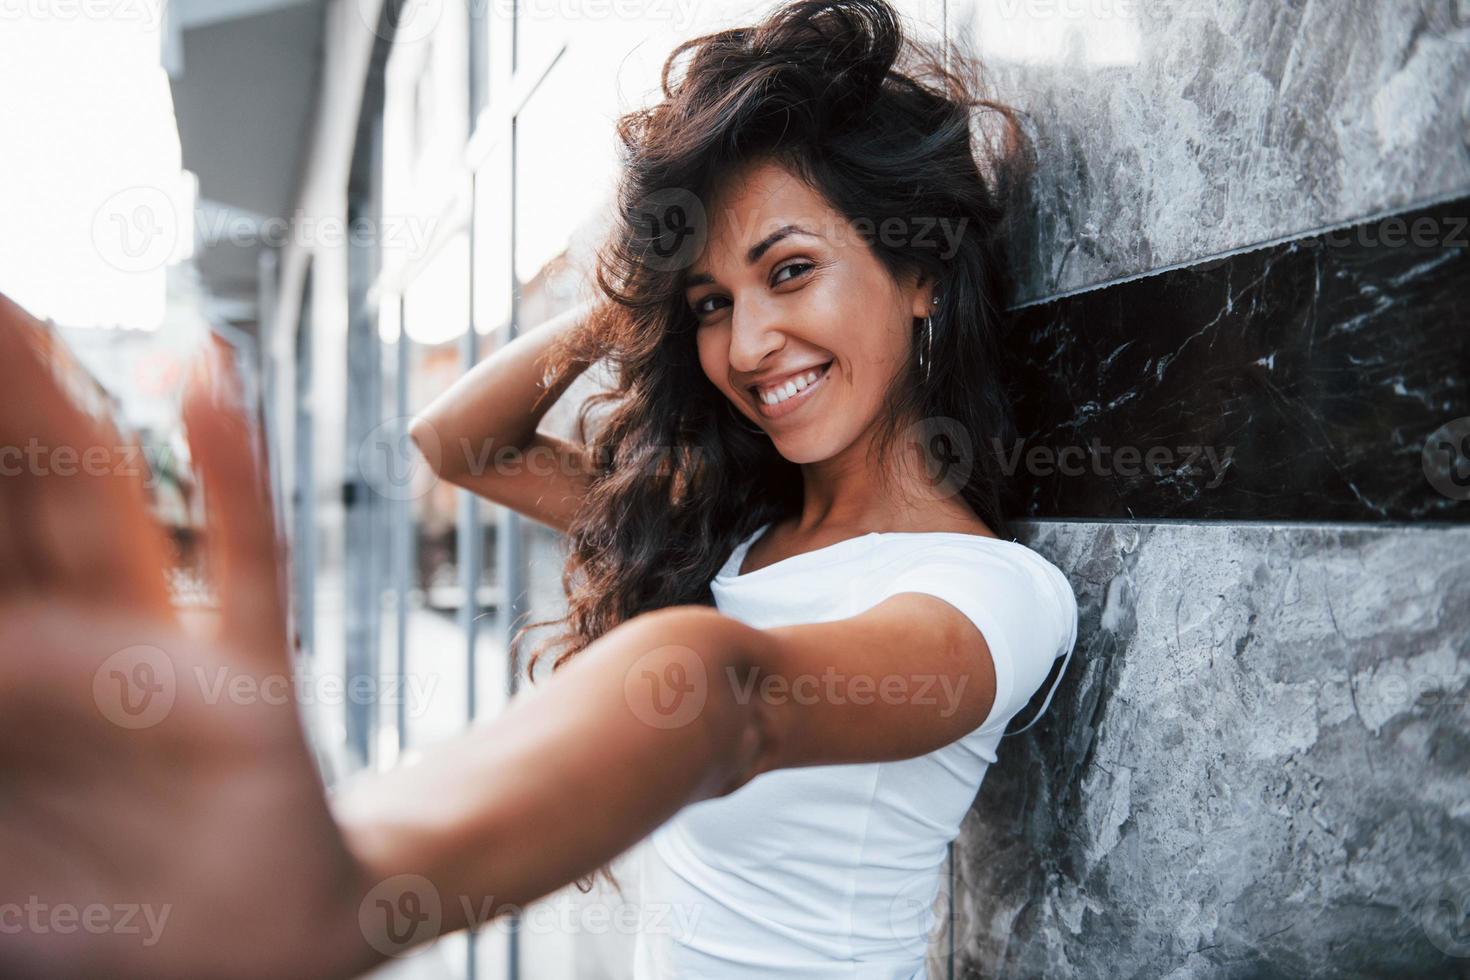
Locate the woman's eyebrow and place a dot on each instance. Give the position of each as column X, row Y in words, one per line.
column 754, row 253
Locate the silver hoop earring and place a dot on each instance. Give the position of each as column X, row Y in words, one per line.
column 926, row 350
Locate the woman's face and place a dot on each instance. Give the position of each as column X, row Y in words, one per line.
column 773, row 303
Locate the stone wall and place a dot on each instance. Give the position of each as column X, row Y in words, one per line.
column 1259, row 762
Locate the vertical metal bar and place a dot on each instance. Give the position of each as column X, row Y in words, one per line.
column 478, row 60
column 949, row 860
column 469, row 545
column 267, row 293
column 509, row 553
column 402, row 534
column 303, row 497
column 944, row 31
column 364, row 406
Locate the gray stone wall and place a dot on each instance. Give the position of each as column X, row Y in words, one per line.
column 1259, row 763
column 1257, row 767
column 1171, row 130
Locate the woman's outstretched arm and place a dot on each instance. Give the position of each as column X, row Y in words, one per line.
column 576, row 770
column 159, row 789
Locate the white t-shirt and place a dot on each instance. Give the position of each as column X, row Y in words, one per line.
column 827, row 872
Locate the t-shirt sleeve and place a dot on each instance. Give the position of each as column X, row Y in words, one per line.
column 1022, row 605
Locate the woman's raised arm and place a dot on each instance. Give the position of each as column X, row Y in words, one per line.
column 481, row 434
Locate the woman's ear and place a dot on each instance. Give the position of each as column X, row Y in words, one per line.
column 924, row 292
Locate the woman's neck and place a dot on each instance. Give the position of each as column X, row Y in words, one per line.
column 846, row 494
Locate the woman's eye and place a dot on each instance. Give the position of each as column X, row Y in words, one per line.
column 794, row 265
column 698, row 309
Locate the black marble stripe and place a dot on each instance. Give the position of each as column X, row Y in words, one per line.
column 1313, row 371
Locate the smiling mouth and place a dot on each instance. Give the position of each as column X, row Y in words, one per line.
column 798, row 395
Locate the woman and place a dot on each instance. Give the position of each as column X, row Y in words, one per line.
column 806, row 282
column 815, row 737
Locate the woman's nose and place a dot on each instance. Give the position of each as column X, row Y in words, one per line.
column 756, row 330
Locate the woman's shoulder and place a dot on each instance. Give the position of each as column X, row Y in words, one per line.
column 955, row 541
column 984, row 560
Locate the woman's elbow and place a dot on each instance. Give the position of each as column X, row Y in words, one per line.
column 717, row 672
column 425, row 436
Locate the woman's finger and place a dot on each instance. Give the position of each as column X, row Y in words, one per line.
column 245, row 553
column 77, row 518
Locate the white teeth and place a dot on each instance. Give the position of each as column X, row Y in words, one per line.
column 777, row 395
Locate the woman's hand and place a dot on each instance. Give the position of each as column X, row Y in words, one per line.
column 160, row 813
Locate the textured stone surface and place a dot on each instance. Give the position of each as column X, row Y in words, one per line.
column 1172, row 130
column 1297, row 382
column 1256, row 767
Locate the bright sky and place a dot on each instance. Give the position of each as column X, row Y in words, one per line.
column 93, row 202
